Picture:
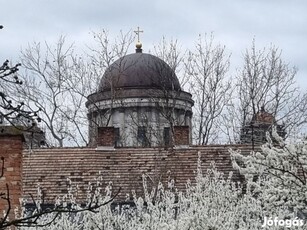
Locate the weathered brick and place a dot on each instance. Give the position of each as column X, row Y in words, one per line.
column 106, row 136
column 11, row 145
column 181, row 135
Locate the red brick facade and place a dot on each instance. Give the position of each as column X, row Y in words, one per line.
column 106, row 136
column 181, row 135
column 11, row 146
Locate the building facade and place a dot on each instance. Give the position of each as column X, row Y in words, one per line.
column 139, row 103
column 137, row 111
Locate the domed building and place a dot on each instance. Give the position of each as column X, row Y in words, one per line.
column 139, row 103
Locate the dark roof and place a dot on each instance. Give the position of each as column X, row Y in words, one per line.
column 12, row 131
column 50, row 168
column 139, row 70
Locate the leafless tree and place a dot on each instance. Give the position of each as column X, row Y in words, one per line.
column 46, row 86
column 172, row 53
column 11, row 110
column 58, row 81
column 106, row 51
column 101, row 57
column 175, row 56
column 266, row 81
column 207, row 67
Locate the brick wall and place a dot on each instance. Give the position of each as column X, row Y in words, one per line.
column 181, row 135
column 11, row 145
column 106, row 136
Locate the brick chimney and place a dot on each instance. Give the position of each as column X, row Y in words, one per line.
column 11, row 145
column 182, row 135
column 106, row 136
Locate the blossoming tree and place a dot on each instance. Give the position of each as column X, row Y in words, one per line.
column 277, row 176
column 273, row 195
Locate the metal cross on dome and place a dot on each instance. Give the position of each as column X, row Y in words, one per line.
column 138, row 33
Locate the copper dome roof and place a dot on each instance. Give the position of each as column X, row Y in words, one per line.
column 139, row 70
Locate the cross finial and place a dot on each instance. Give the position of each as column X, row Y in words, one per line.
column 138, row 44
column 138, row 33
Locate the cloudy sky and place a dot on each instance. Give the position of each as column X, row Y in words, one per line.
column 234, row 23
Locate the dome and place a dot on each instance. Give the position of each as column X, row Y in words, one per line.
column 139, row 70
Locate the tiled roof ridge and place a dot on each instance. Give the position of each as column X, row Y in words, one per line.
column 192, row 147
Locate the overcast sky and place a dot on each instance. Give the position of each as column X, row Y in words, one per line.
column 234, row 23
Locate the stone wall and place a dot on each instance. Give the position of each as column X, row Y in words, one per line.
column 137, row 108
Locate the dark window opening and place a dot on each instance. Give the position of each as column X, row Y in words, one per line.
column 116, row 137
column 166, row 136
column 142, row 138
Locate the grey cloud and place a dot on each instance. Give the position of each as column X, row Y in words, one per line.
column 234, row 22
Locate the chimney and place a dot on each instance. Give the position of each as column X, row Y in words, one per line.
column 106, row 136
column 182, row 135
column 11, row 146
